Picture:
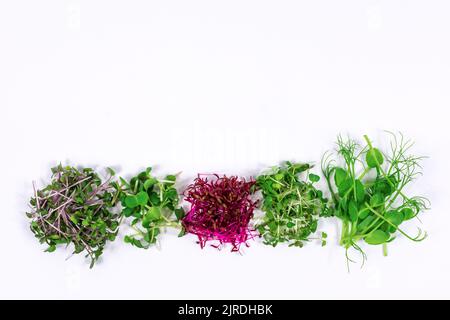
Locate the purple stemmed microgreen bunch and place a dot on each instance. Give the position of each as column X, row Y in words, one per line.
column 221, row 210
column 76, row 208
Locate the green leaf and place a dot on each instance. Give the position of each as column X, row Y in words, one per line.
column 377, row 237
column 124, row 182
column 313, row 226
column 85, row 222
column 182, row 233
column 137, row 243
column 171, row 179
column 339, row 176
column 150, row 182
column 74, row 219
column 377, row 200
column 154, row 199
column 313, row 177
column 142, row 198
column 171, row 194
column 127, row 212
column 51, row 249
column 360, row 192
column 273, row 226
column 152, row 235
column 365, row 223
column 382, row 186
column 394, row 217
column 408, row 213
column 179, row 213
column 353, row 210
column 374, row 158
column 363, row 213
column 131, row 202
column 153, row 214
column 111, row 171
column 345, row 186
column 279, row 176
column 276, row 186
column 298, row 167
column 127, row 239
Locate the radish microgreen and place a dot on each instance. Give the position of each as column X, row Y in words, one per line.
column 291, row 206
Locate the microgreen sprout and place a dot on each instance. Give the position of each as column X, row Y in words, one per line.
column 152, row 203
column 221, row 210
column 76, row 208
column 291, row 205
column 369, row 191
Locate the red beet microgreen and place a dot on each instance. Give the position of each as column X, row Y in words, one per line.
column 221, row 210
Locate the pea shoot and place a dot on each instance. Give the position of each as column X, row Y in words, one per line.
column 368, row 191
column 76, row 208
column 151, row 203
column 292, row 206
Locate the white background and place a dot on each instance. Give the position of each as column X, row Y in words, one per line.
column 223, row 86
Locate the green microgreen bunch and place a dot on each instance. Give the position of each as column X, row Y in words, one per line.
column 151, row 203
column 292, row 206
column 369, row 191
column 76, row 208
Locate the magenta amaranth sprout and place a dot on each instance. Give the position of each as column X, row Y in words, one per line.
column 221, row 209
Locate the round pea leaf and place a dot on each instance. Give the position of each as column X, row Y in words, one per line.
column 376, row 200
column 313, row 177
column 353, row 211
column 377, row 237
column 339, row 176
column 363, row 213
column 345, row 186
column 365, row 223
column 374, row 158
column 408, row 213
column 382, row 186
column 360, row 192
column 394, row 217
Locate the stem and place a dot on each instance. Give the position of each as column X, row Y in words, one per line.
column 395, row 226
column 366, row 170
column 368, row 141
